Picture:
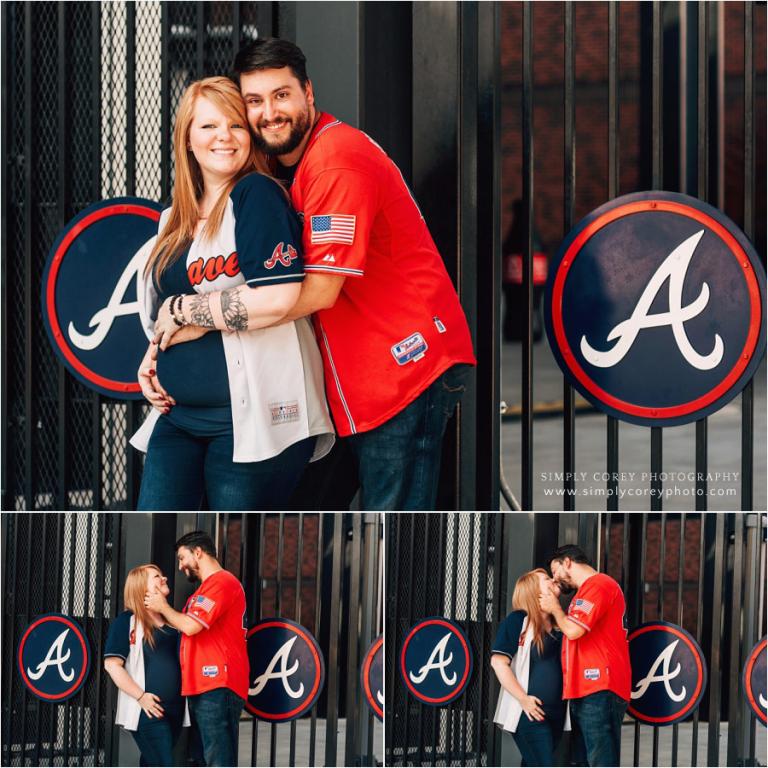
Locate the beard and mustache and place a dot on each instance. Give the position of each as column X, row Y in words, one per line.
column 298, row 129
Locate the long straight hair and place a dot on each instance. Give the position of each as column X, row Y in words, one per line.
column 133, row 598
column 526, row 598
column 189, row 186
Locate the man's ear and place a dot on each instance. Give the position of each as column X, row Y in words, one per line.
column 309, row 93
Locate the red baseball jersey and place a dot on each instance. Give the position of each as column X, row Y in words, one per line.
column 397, row 324
column 216, row 657
column 599, row 659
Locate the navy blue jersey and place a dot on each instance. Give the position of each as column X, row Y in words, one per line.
column 545, row 676
column 162, row 670
column 259, row 242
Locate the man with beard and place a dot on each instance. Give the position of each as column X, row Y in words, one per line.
column 595, row 656
column 214, row 659
column 395, row 342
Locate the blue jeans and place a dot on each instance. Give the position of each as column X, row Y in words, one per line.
column 217, row 716
column 597, row 722
column 156, row 737
column 399, row 461
column 181, row 470
column 538, row 740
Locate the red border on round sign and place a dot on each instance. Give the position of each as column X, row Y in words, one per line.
column 694, row 700
column 745, row 356
column 86, row 656
column 462, row 682
column 310, row 641
column 374, row 705
column 50, row 290
column 754, row 706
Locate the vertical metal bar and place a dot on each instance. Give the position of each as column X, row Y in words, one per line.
column 394, row 527
column 569, row 194
column 703, row 194
column 259, row 615
column 29, row 326
column 43, row 568
column 85, row 617
column 235, row 8
column 70, row 608
column 299, row 562
column 526, row 422
column 607, row 547
column 481, row 619
column 699, row 617
column 10, row 590
column 455, row 518
column 656, row 467
column 408, row 703
column 660, row 610
column 748, row 394
column 679, row 618
column 643, row 539
column 277, row 612
column 165, row 105
column 54, row 720
column 25, row 620
column 110, row 758
column 425, row 611
column 735, row 709
column 468, row 627
column 713, row 731
column 440, row 592
column 353, row 703
column 5, row 183
column 98, row 628
column 64, row 208
column 200, row 40
column 332, row 715
column 612, row 424
column 316, row 628
column 96, row 400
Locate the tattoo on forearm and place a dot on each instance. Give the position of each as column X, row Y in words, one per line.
column 234, row 311
column 200, row 311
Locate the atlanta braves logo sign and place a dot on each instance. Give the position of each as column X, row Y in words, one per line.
column 372, row 677
column 89, row 300
column 287, row 671
column 54, row 657
column 753, row 681
column 436, row 661
column 655, row 308
column 668, row 673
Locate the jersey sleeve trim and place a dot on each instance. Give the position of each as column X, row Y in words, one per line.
column 117, row 655
column 197, row 618
column 334, row 270
column 277, row 279
column 502, row 653
column 581, row 624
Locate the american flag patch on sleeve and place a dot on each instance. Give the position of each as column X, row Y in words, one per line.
column 583, row 605
column 332, row 228
column 205, row 603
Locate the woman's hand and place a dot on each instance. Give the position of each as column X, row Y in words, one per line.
column 165, row 326
column 150, row 703
column 532, row 707
column 149, row 383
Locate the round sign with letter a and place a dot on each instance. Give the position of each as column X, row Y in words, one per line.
column 669, row 673
column 655, row 308
column 754, row 682
column 287, row 670
column 90, row 304
column 54, row 657
column 372, row 677
column 436, row 661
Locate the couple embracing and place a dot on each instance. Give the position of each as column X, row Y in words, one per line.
column 560, row 669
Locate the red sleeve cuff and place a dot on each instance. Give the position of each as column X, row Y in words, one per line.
column 581, row 624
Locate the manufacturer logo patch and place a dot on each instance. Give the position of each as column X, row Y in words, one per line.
column 409, row 350
column 669, row 674
column 654, row 308
column 283, row 254
column 372, row 677
column 89, row 294
column 210, row 671
column 591, row 674
column 287, row 670
column 54, row 657
column 283, row 413
column 436, row 661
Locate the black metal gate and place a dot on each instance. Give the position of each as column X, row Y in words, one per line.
column 322, row 571
column 59, row 564
column 451, row 566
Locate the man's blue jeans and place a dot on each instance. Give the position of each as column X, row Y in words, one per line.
column 399, row 461
column 598, row 719
column 217, row 716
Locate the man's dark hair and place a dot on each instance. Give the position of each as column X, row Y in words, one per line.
column 568, row 550
column 197, row 539
column 270, row 53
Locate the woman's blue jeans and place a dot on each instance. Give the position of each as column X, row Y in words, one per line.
column 399, row 461
column 181, row 470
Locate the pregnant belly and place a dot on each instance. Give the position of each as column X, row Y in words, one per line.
column 195, row 372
